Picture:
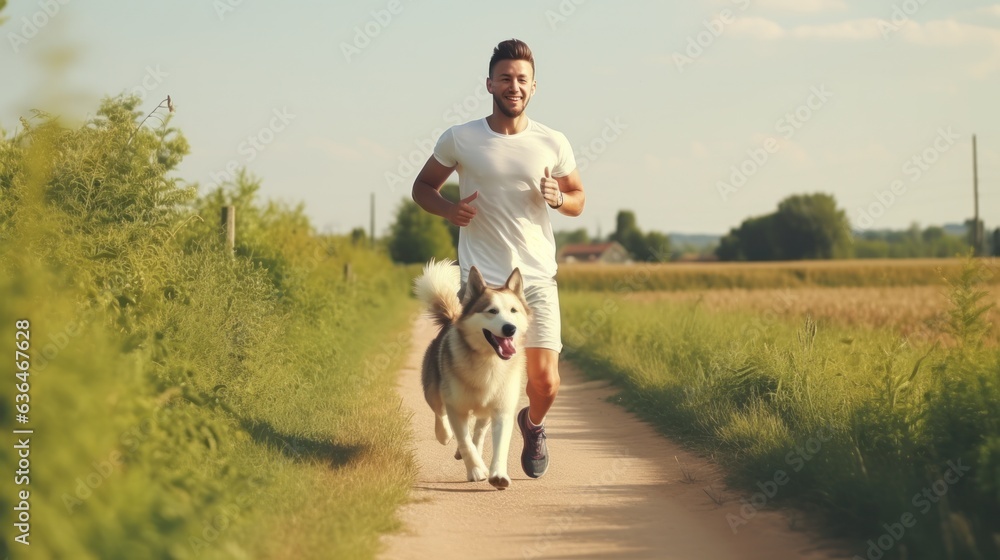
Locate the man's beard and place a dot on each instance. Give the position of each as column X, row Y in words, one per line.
column 499, row 101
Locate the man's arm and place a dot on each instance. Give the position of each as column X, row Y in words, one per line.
column 427, row 194
column 570, row 190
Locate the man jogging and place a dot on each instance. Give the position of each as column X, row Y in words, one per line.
column 512, row 172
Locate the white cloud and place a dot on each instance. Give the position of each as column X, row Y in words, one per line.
column 769, row 30
column 937, row 33
column 339, row 151
column 757, row 28
column 789, row 148
column 949, row 33
column 794, row 6
column 374, row 148
column 993, row 10
column 802, row 6
column 850, row 30
column 699, row 150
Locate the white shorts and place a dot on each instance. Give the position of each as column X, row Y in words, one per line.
column 546, row 325
column 545, row 330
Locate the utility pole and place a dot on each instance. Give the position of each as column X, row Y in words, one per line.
column 977, row 232
column 373, row 221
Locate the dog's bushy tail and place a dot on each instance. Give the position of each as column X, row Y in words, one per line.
column 438, row 289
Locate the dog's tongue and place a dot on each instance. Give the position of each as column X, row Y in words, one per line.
column 506, row 345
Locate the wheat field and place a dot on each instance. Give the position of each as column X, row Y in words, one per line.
column 916, row 312
column 757, row 275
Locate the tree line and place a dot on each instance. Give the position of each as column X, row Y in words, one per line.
column 416, row 236
column 803, row 227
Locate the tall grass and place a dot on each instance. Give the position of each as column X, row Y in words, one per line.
column 187, row 403
column 860, row 421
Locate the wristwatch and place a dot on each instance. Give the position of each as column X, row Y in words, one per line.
column 561, row 200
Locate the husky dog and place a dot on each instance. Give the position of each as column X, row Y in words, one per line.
column 472, row 369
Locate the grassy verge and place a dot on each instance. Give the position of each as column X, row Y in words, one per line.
column 185, row 402
column 894, row 442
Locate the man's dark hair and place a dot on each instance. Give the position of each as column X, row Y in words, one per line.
column 511, row 49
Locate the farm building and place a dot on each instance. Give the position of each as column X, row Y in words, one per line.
column 611, row 252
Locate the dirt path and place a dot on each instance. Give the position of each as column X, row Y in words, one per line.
column 613, row 490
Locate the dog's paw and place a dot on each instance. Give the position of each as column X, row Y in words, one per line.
column 500, row 482
column 458, row 454
column 477, row 474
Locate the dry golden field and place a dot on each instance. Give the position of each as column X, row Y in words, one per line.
column 917, row 311
column 907, row 296
column 790, row 274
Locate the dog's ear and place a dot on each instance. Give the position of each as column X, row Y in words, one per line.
column 515, row 283
column 475, row 286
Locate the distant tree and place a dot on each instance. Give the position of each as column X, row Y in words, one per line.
column 450, row 191
column 804, row 227
column 972, row 227
column 996, row 242
column 628, row 234
column 811, row 227
column 730, row 248
column 933, row 241
column 417, row 235
column 933, row 234
column 657, row 247
column 359, row 236
column 625, row 224
column 651, row 246
column 759, row 239
column 754, row 240
column 572, row 237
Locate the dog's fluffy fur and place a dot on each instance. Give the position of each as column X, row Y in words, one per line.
column 474, row 369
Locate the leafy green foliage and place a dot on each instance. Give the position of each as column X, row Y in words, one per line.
column 417, row 236
column 451, row 192
column 576, row 236
column 647, row 247
column 966, row 317
column 933, row 241
column 804, row 227
column 193, row 396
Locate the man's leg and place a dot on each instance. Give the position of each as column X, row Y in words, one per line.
column 543, row 382
column 542, row 356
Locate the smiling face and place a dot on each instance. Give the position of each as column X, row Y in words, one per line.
column 495, row 317
column 512, row 85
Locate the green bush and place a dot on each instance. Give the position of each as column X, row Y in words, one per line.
column 182, row 397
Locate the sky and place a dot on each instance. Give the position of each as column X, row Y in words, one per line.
column 695, row 115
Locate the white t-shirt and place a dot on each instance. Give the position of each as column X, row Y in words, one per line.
column 511, row 228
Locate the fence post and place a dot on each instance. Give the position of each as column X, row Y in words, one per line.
column 229, row 228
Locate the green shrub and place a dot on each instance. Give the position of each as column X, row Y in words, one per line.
column 183, row 397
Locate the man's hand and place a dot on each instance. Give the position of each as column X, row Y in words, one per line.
column 462, row 213
column 550, row 190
